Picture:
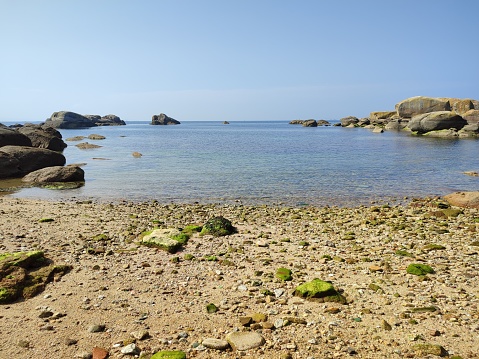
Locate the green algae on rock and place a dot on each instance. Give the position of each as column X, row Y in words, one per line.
column 169, row 354
column 419, row 269
column 429, row 349
column 284, row 274
column 218, row 226
column 169, row 239
column 25, row 274
column 319, row 290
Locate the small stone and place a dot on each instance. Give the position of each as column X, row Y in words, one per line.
column 140, row 334
column 96, row 328
column 70, row 341
column 267, row 325
column 45, row 314
column 169, row 354
column 386, row 326
column 217, row 344
column 130, row 349
column 429, row 349
column 278, row 292
column 245, row 321
column 375, row 268
column 99, row 353
column 245, row 340
column 211, row 308
column 23, row 343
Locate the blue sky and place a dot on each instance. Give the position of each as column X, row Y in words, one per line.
column 232, row 60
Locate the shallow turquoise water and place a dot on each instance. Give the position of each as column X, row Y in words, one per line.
column 265, row 162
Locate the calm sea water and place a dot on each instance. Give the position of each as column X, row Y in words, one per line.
column 264, row 163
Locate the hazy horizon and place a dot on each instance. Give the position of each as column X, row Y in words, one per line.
column 232, row 61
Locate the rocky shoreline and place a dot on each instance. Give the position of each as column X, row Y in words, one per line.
column 122, row 299
column 420, row 115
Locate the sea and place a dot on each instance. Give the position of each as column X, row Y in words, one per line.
column 263, row 163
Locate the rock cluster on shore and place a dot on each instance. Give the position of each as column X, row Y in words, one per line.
column 30, row 149
column 434, row 117
column 408, row 276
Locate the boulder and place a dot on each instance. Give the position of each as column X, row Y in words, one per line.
column 350, row 120
column 31, row 158
column 420, row 104
column 463, row 199
column 56, row 174
column 382, row 115
column 462, row 106
column 163, row 119
column 396, row 125
column 10, row 166
column 296, row 122
column 110, row 120
column 448, row 133
column 471, row 116
column 434, row 121
column 323, row 123
column 319, row 290
column 43, row 138
column 10, row 136
column 310, row 123
column 475, row 104
column 218, row 226
column 68, row 120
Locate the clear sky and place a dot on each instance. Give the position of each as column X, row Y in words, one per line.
column 233, row 59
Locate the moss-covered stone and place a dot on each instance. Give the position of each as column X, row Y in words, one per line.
column 218, row 226
column 169, row 354
column 284, row 274
column 319, row 290
column 211, row 308
column 191, row 229
column 432, row 247
column 25, row 274
column 424, row 349
column 169, row 239
column 419, row 269
column 451, row 212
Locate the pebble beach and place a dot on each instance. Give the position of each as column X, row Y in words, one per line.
column 125, row 300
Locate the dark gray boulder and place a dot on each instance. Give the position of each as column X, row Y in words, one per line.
column 163, row 119
column 350, row 120
column 110, row 120
column 310, row 123
column 56, row 174
column 47, row 138
column 32, row 158
column 11, row 137
column 9, row 166
column 436, row 121
column 68, row 120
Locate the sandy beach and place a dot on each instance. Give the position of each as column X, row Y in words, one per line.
column 158, row 300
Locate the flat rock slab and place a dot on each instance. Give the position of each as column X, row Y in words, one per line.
column 244, row 340
column 218, row 344
column 463, row 199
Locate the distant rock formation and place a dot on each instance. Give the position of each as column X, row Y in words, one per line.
column 431, row 116
column 163, row 119
column 72, row 120
column 310, row 123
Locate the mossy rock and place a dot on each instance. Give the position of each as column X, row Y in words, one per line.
column 432, row 247
column 425, row 349
column 284, row 274
column 25, row 274
column 191, row 230
column 218, row 226
column 451, row 212
column 169, row 354
column 211, row 308
column 169, row 240
column 403, row 253
column 319, row 290
column 419, row 269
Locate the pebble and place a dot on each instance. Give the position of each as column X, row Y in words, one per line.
column 130, row 349
column 96, row 328
column 245, row 340
column 217, row 344
column 99, row 353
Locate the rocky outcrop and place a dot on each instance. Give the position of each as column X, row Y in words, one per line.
column 56, row 174
column 382, row 115
column 420, row 104
column 47, row 137
column 110, row 120
column 435, row 121
column 163, row 119
column 11, row 137
column 462, row 106
column 31, row 158
column 471, row 116
column 68, row 120
column 72, row 120
column 310, row 123
column 350, row 120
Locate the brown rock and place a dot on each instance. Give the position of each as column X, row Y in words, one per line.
column 463, row 199
column 99, row 353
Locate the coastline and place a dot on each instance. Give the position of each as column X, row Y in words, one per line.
column 130, row 288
